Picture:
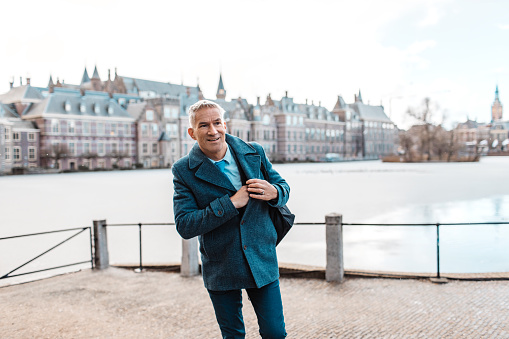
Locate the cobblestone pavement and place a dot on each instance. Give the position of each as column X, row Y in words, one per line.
column 118, row 303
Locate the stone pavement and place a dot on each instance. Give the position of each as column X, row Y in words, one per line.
column 118, row 303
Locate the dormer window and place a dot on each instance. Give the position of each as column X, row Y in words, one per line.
column 67, row 106
column 149, row 115
column 110, row 109
column 97, row 109
column 83, row 108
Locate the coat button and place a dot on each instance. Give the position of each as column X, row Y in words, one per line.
column 242, row 222
column 245, row 247
column 219, row 212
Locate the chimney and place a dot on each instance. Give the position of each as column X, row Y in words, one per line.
column 286, row 94
column 320, row 103
column 28, row 81
column 188, row 91
column 109, row 75
column 11, row 84
column 51, row 88
column 257, row 101
column 306, row 101
column 82, row 92
column 110, row 94
column 20, row 81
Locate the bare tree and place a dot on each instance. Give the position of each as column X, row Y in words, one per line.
column 55, row 152
column 117, row 156
column 426, row 116
column 406, row 141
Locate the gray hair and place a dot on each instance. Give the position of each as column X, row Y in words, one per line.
column 200, row 105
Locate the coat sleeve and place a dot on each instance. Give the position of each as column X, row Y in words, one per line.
column 190, row 220
column 283, row 189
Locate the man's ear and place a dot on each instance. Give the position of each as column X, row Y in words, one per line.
column 190, row 131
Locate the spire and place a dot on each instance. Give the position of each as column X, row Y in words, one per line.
column 50, row 82
column 359, row 97
column 221, row 93
column 96, row 74
column 85, row 78
column 496, row 93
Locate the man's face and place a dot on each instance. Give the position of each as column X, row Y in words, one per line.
column 209, row 131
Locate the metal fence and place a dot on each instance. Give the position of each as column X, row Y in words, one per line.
column 12, row 273
column 338, row 246
column 435, row 225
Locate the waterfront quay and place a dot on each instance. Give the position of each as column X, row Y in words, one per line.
column 119, row 303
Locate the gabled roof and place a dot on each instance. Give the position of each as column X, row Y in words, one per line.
column 340, row 104
column 134, row 85
column 7, row 112
column 371, row 113
column 24, row 94
column 56, row 103
column 136, row 109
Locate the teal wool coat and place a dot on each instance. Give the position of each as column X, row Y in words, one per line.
column 238, row 250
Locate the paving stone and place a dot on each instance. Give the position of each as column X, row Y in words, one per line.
column 117, row 303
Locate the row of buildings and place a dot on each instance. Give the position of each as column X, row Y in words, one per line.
column 126, row 122
column 492, row 137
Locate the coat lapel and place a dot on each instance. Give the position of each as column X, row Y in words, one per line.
column 247, row 157
column 206, row 170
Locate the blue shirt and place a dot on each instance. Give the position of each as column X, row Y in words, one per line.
column 231, row 170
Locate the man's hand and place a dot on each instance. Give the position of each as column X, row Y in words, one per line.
column 241, row 198
column 261, row 189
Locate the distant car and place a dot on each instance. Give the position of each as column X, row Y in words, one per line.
column 332, row 157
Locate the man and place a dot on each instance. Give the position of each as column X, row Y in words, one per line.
column 221, row 197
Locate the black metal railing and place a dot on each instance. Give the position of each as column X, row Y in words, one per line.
column 140, row 225
column 437, row 225
column 79, row 230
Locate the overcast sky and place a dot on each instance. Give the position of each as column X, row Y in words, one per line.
column 396, row 52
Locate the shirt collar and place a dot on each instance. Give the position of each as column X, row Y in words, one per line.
column 228, row 157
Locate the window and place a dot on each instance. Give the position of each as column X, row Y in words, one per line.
column 113, row 129
column 100, row 148
column 100, row 128
column 114, row 147
column 144, row 130
column 17, row 153
column 83, row 108
column 31, row 136
column 55, row 126
column 7, row 134
column 174, row 112
column 72, row 148
column 167, row 112
column 111, row 110
column 154, row 130
column 15, row 136
column 97, row 108
column 154, row 148
column 67, row 106
column 72, row 127
column 149, row 115
column 127, row 149
column 7, row 153
column 86, row 147
column 127, row 129
column 145, row 148
column 86, row 127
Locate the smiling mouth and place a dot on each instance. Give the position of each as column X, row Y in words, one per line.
column 215, row 139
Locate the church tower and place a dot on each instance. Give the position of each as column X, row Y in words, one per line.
column 221, row 93
column 496, row 108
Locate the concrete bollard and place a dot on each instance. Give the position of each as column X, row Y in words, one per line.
column 334, row 270
column 189, row 266
column 101, row 256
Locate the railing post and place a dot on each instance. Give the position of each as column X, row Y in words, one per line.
column 189, row 266
column 101, row 256
column 334, row 271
